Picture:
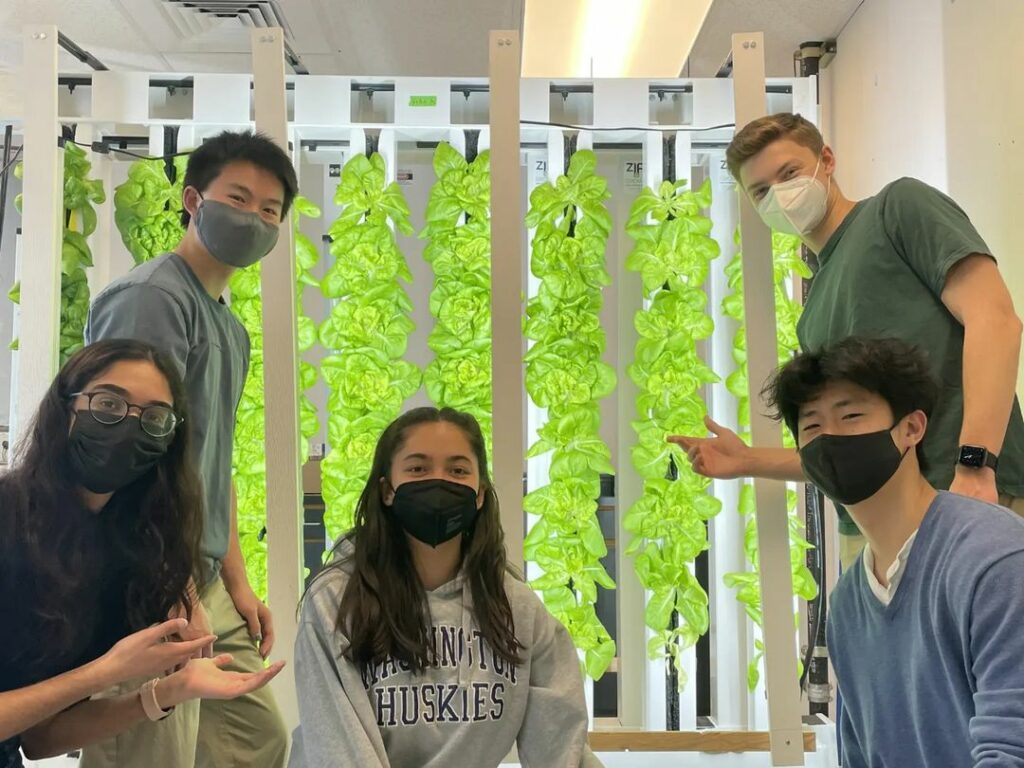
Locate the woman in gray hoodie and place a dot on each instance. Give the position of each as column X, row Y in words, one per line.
column 417, row 646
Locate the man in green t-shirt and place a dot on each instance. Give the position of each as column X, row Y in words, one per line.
column 906, row 263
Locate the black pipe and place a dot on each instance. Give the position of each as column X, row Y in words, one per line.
column 472, row 144
column 4, row 170
column 170, row 147
column 80, row 53
column 815, row 674
column 672, row 684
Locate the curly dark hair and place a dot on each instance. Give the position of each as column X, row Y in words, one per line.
column 891, row 368
column 154, row 525
column 383, row 611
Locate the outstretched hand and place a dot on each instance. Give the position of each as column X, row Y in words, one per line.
column 722, row 457
column 207, row 679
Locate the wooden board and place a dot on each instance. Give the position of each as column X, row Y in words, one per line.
column 687, row 741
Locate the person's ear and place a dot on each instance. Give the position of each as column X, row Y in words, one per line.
column 190, row 199
column 828, row 160
column 387, row 492
column 481, row 496
column 913, row 428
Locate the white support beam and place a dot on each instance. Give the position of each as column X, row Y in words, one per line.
column 635, row 670
column 772, row 523
column 507, row 271
column 280, row 367
column 39, row 265
column 729, row 624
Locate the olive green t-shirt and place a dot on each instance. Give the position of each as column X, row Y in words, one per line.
column 882, row 274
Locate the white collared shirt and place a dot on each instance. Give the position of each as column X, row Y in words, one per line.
column 894, row 574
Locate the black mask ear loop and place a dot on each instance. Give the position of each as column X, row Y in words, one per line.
column 896, row 424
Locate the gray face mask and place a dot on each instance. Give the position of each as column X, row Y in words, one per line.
column 233, row 237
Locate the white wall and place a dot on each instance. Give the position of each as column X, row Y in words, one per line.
column 929, row 88
column 888, row 99
column 985, row 126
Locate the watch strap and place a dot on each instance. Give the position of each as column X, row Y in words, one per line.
column 147, row 694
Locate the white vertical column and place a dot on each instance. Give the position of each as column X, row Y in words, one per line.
column 729, row 636
column 280, row 366
column 39, row 265
column 507, row 272
column 762, row 359
column 635, row 670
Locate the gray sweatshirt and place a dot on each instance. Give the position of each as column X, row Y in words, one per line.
column 467, row 711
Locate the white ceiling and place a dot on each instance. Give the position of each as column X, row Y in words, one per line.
column 372, row 37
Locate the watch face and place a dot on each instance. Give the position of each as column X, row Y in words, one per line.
column 972, row 456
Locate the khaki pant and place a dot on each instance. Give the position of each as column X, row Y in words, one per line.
column 246, row 732
column 850, row 546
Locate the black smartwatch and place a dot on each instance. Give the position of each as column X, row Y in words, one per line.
column 976, row 457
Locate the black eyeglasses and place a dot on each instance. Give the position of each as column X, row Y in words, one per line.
column 108, row 408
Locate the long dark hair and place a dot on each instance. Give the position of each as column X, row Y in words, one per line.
column 383, row 610
column 154, row 524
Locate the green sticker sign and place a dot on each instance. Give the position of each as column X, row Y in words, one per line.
column 423, row 101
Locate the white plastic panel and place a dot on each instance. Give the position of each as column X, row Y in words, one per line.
column 323, row 100
column 423, row 101
column 620, row 103
column 221, row 99
column 121, row 97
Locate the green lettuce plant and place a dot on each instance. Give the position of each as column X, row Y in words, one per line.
column 787, row 263
column 459, row 250
column 367, row 331
column 147, row 208
column 81, row 194
column 672, row 253
column 249, row 463
column 565, row 376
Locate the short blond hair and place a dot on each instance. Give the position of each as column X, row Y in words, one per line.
column 759, row 133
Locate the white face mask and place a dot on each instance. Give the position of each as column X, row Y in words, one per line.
column 797, row 206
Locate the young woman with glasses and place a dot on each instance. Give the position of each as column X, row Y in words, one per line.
column 100, row 521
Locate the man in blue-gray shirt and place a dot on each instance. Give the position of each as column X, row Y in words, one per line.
column 924, row 630
column 237, row 190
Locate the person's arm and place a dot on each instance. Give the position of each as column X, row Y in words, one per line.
column 978, row 298
column 141, row 654
column 939, row 243
column 236, row 581
column 97, row 719
column 554, row 728
column 726, row 457
column 336, row 723
column 996, row 646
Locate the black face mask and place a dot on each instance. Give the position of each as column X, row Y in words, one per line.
column 435, row 511
column 851, row 468
column 107, row 457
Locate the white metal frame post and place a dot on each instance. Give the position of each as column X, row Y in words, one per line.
column 729, row 626
column 507, row 277
column 634, row 667
column 39, row 265
column 280, row 372
column 762, row 358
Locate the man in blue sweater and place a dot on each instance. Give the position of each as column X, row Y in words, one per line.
column 925, row 629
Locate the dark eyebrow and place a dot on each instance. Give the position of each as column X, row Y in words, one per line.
column 116, row 390
column 420, row 456
column 459, row 458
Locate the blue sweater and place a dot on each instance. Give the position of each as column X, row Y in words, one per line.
column 936, row 679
